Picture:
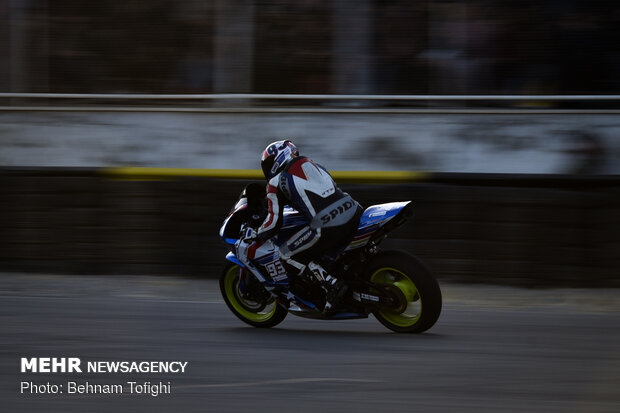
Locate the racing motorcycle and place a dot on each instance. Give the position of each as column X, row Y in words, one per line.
column 395, row 286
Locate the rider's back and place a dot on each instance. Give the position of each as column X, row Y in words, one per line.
column 309, row 188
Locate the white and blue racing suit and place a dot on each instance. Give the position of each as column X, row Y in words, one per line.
column 331, row 215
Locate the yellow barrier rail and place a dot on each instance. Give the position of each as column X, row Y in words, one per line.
column 138, row 173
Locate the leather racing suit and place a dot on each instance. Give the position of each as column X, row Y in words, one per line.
column 332, row 217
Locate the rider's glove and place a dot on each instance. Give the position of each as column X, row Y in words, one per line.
column 248, row 234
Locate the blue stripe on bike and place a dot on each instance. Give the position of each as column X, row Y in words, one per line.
column 232, row 258
column 266, row 259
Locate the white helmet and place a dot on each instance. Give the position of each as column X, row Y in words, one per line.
column 276, row 156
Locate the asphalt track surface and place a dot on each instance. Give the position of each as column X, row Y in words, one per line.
column 494, row 349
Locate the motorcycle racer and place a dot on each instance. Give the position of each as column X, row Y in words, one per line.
column 331, row 217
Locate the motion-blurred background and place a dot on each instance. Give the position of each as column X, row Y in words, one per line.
column 509, row 107
column 311, row 46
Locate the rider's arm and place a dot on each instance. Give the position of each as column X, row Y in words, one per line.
column 275, row 207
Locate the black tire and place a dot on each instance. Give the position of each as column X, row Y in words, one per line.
column 255, row 314
column 418, row 285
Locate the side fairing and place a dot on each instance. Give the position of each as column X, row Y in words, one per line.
column 292, row 223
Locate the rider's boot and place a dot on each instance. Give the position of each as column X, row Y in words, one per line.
column 334, row 287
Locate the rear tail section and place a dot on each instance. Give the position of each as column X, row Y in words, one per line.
column 378, row 220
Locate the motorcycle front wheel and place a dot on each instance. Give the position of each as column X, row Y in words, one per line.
column 255, row 311
column 414, row 285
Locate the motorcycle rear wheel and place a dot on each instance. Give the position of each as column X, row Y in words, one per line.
column 257, row 314
column 419, row 287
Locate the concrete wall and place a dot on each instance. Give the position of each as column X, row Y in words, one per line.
column 433, row 142
column 498, row 229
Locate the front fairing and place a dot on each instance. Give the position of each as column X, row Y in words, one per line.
column 229, row 231
column 241, row 214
